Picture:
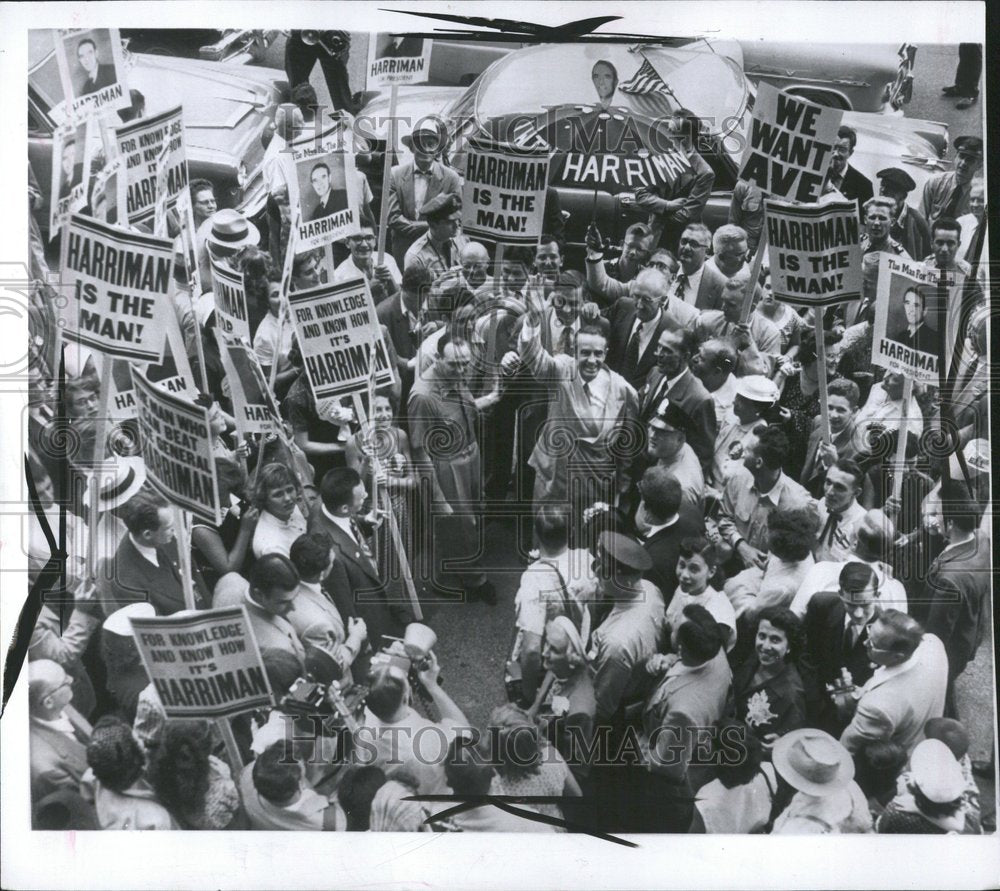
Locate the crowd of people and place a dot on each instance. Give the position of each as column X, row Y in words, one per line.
column 728, row 618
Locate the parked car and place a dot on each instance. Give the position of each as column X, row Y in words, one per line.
column 237, row 45
column 227, row 109
column 711, row 84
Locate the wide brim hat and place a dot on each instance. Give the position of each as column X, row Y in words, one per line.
column 936, row 772
column 429, row 129
column 757, row 388
column 230, row 229
column 813, row 762
column 129, row 475
column 118, row 622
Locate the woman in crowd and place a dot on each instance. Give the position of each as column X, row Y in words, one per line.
column 525, row 764
column 195, row 785
column 276, row 494
column 738, row 801
column 115, row 782
column 784, row 317
column 224, row 548
column 768, row 695
column 697, row 563
column 270, row 345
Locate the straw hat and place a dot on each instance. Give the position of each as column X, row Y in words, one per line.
column 230, row 229
column 118, row 484
column 813, row 762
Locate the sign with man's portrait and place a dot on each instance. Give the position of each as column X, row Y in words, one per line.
column 906, row 334
column 398, row 60
column 71, row 157
column 92, row 70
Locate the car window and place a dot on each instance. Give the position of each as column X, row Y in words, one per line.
column 43, row 76
column 38, row 125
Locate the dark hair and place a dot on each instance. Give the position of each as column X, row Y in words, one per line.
column 310, row 553
column 848, row 133
column 742, row 772
column 386, row 692
column 849, row 390
column 355, row 794
column 84, row 42
column 305, row 99
column 772, row 446
column 199, row 185
column 449, row 205
column 322, row 165
column 699, row 634
column 337, row 486
column 856, row 577
column 723, row 353
column 957, row 508
column 269, row 477
column 276, row 773
column 807, row 350
column 848, row 465
column 687, row 339
column 416, row 278
column 661, row 492
column 522, row 254
column 698, row 546
column 465, row 771
column 906, row 632
column 282, row 668
column 273, row 572
column 930, row 808
column 949, row 224
column 782, row 618
column 114, row 755
column 592, row 329
column 546, row 238
column 551, row 526
column 791, row 533
column 516, row 743
column 232, row 477
column 179, row 769
column 142, row 513
column 299, row 261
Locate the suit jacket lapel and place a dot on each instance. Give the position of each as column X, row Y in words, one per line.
column 350, row 549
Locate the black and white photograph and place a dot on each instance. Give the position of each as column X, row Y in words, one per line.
column 531, row 502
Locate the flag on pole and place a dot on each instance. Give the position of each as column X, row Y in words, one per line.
column 648, row 91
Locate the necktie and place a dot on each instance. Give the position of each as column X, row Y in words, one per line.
column 446, row 254
column 830, row 529
column 632, row 353
column 682, row 281
column 852, row 635
column 586, row 390
column 359, row 538
column 950, row 208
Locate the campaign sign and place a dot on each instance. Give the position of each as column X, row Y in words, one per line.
column 230, row 301
column 503, row 196
column 814, row 252
column 789, row 145
column 92, row 70
column 142, row 144
column 398, row 60
column 339, row 335
column 906, row 334
column 327, row 188
column 206, row 665
column 254, row 409
column 71, row 160
column 120, row 285
column 176, row 441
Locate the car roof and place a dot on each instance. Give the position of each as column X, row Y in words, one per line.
column 531, row 79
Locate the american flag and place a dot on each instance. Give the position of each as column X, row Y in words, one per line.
column 648, row 91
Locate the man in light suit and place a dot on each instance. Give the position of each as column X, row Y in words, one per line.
column 381, row 603
column 906, row 690
column 697, row 282
column 413, row 183
column 268, row 601
column 58, row 733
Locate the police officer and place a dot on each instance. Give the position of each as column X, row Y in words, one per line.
column 947, row 194
column 908, row 225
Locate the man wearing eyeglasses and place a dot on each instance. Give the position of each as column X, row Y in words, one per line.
column 384, row 279
column 906, row 690
column 58, row 733
column 697, row 282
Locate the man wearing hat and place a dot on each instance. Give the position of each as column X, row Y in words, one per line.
column 629, row 634
column 673, row 379
column 947, row 194
column 827, row 799
column 415, row 182
column 126, row 673
column 440, row 247
column 908, row 227
column 669, row 450
column 225, row 233
column 755, row 394
column 58, row 733
column 753, row 490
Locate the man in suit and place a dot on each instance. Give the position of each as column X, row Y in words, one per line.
column 842, row 177
column 328, row 200
column 664, row 526
column 146, row 563
column 58, row 733
column 957, row 588
column 415, row 182
column 380, row 602
column 269, row 600
column 836, row 624
column 95, row 75
column 697, row 282
column 915, row 334
column 637, row 322
column 906, row 690
column 401, row 317
column 72, row 172
column 400, row 46
column 673, row 379
column 758, row 342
